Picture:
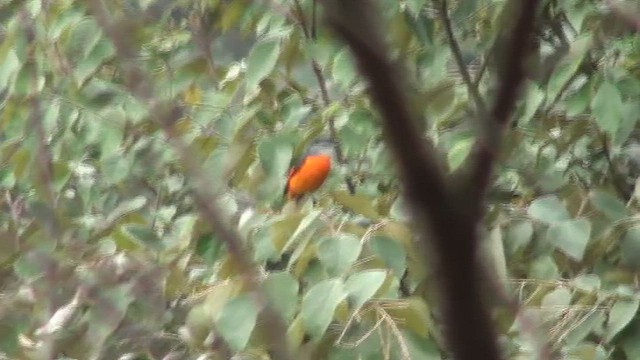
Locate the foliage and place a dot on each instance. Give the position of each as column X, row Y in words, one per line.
column 104, row 251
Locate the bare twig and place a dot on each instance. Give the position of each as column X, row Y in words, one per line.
column 310, row 34
column 43, row 153
column 165, row 114
column 457, row 55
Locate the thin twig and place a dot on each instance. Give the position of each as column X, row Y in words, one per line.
column 481, row 108
column 43, row 153
column 324, row 93
column 165, row 115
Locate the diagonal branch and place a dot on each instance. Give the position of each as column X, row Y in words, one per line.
column 510, row 76
column 165, row 115
column 453, row 232
column 472, row 86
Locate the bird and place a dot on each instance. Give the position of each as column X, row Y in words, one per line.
column 308, row 176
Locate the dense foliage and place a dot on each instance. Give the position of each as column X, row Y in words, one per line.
column 106, row 252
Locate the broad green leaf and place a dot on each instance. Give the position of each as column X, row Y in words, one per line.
column 610, row 206
column 358, row 203
column 630, row 110
column 631, row 343
column 391, row 252
column 281, row 289
column 414, row 316
column 343, row 70
column 337, row 253
column 127, row 207
column 630, row 248
column 570, row 237
column 567, row 68
column 84, row 36
column 578, row 102
column 236, row 321
column 275, row 156
column 620, row 315
column 459, row 152
column 302, row 228
column 319, row 304
column 363, row 285
column 534, row 98
column 587, row 282
column 589, row 321
column 555, row 303
column 607, row 107
column 548, row 209
column 261, row 61
column 544, row 268
column 518, row 236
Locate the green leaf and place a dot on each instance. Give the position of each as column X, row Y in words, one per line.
column 84, row 36
column 567, row 68
column 577, row 102
column 343, row 70
column 127, row 207
column 631, row 343
column 459, row 152
column 319, row 304
column 261, row 61
column 281, row 289
column 363, row 285
column 630, row 248
column 275, row 156
column 555, row 303
column 570, row 237
column 609, row 205
column 548, row 209
column 358, row 203
column 391, row 252
column 607, row 107
column 518, row 236
column 236, row 321
column 544, row 268
column 590, row 322
column 620, row 315
column 535, row 97
column 337, row 253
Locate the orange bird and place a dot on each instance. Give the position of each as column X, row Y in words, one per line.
column 308, row 176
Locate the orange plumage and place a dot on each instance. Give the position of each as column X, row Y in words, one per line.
column 308, row 177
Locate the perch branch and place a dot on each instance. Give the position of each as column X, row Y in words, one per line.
column 472, row 87
column 310, row 34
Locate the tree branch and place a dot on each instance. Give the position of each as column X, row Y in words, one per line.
column 310, row 34
column 454, row 237
column 510, row 75
column 165, row 115
column 472, row 87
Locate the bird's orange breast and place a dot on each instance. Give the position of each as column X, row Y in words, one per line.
column 309, row 176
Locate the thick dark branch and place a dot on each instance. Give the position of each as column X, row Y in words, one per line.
column 165, row 115
column 510, row 70
column 454, row 237
column 631, row 18
column 472, row 87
